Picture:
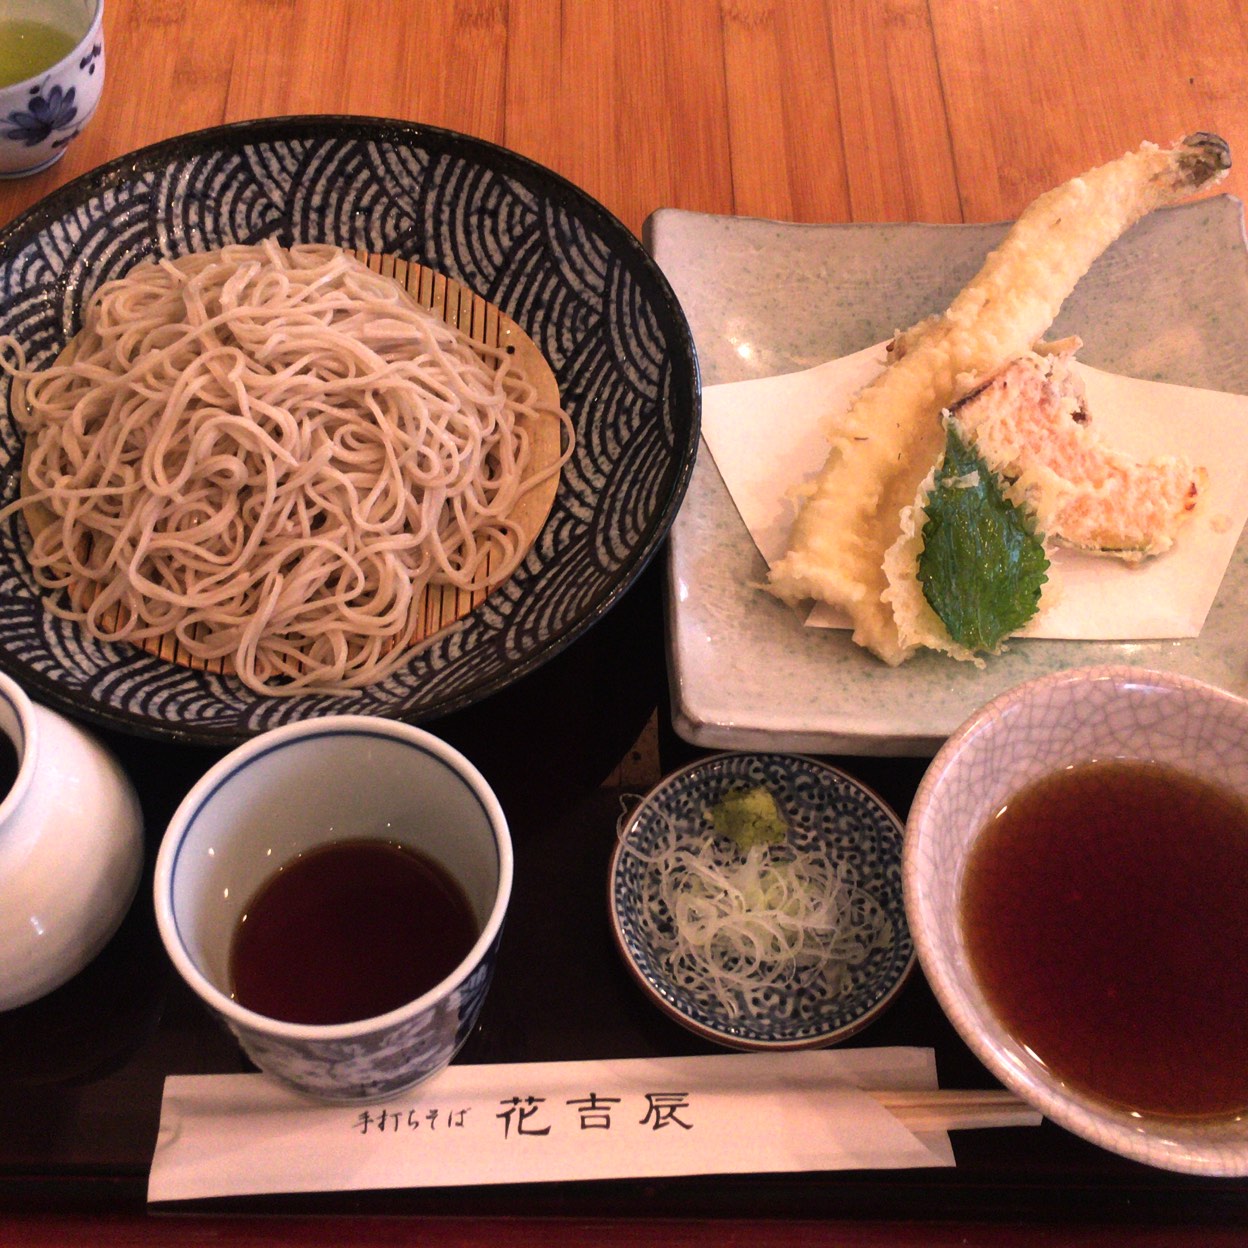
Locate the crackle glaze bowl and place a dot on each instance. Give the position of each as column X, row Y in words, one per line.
column 42, row 114
column 824, row 810
column 1029, row 732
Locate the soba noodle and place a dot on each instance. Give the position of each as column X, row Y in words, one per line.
column 268, row 454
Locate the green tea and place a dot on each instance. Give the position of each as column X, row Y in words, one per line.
column 28, row 48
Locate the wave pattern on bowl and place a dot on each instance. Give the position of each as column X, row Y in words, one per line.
column 521, row 237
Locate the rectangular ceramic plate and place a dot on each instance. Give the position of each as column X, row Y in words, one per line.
column 1168, row 302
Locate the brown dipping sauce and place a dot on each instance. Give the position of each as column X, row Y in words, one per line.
column 9, row 765
column 349, row 931
column 1105, row 910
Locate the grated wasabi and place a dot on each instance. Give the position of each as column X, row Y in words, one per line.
column 749, row 817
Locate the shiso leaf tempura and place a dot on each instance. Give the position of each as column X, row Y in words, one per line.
column 982, row 566
column 884, row 447
column 741, row 925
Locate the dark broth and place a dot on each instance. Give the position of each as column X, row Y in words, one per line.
column 349, row 931
column 9, row 764
column 1105, row 911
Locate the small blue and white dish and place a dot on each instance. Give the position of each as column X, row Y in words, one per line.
column 826, row 811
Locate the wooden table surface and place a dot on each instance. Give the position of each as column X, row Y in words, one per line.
column 802, row 110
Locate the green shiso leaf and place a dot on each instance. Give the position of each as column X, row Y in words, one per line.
column 749, row 817
column 982, row 564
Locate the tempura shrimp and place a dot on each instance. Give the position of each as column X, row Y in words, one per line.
column 887, row 443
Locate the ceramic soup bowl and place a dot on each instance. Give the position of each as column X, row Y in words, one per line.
column 1039, row 729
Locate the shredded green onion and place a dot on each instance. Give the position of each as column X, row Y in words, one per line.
column 746, row 928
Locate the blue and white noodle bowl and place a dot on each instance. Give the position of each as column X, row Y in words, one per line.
column 571, row 275
column 300, row 787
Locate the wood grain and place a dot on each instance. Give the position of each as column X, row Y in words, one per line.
column 804, row 110
column 1037, row 91
column 777, row 64
column 898, row 150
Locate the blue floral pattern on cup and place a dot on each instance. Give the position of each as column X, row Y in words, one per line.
column 42, row 116
column 91, row 60
column 383, row 1061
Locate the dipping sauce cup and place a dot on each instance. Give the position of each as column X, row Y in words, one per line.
column 1054, row 726
column 303, row 788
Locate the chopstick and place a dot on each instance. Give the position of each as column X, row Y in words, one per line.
column 945, row 1109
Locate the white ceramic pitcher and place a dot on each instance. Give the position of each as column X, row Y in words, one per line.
column 71, row 849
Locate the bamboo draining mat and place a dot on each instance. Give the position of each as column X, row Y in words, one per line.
column 483, row 322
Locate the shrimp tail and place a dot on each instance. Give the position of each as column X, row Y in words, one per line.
column 1201, row 158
